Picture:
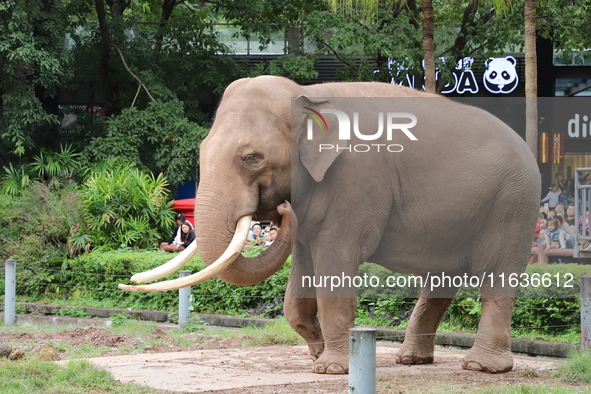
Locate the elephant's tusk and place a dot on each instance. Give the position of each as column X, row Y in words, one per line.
column 168, row 267
column 219, row 266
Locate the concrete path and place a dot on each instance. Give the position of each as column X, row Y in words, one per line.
column 233, row 369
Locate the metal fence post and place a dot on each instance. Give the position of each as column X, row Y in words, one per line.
column 184, row 302
column 10, row 293
column 362, row 360
column 586, row 313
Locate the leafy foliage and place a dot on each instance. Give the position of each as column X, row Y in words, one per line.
column 36, row 227
column 95, row 275
column 159, row 139
column 269, row 310
column 14, row 180
column 49, row 164
column 390, row 40
column 299, row 68
column 33, row 61
column 126, row 207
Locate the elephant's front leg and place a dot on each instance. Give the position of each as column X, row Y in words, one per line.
column 301, row 308
column 323, row 321
column 419, row 341
column 337, row 316
column 301, row 316
column 337, row 302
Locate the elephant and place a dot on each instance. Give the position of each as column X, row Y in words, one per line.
column 435, row 202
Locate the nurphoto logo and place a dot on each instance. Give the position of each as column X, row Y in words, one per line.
column 402, row 121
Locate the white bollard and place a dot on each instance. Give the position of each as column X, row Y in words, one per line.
column 362, row 360
column 184, row 302
column 10, row 293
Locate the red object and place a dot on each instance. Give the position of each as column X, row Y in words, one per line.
column 187, row 208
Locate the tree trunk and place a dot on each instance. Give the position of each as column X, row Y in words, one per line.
column 531, row 78
column 105, row 53
column 428, row 46
column 167, row 8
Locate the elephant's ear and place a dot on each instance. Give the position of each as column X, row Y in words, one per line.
column 313, row 129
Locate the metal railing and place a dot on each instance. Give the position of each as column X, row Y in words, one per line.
column 582, row 208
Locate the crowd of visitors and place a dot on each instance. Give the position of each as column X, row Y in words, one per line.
column 260, row 236
column 554, row 234
column 184, row 234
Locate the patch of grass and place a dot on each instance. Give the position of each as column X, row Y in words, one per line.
column 576, row 369
column 276, row 333
column 530, row 389
column 34, row 375
column 573, row 335
column 72, row 312
column 195, row 325
column 34, row 329
column 136, row 327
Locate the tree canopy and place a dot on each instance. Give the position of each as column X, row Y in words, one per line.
column 153, row 69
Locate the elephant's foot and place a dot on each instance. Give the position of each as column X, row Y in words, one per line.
column 415, row 353
column 316, row 350
column 331, row 362
column 482, row 360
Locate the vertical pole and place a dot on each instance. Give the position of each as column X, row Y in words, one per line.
column 184, row 302
column 362, row 360
column 586, row 313
column 577, row 203
column 10, row 293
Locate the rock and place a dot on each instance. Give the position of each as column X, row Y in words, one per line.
column 48, row 353
column 16, row 355
column 5, row 350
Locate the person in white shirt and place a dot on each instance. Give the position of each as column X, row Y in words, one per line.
column 552, row 197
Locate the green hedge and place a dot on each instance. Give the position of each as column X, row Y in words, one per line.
column 552, row 310
column 94, row 276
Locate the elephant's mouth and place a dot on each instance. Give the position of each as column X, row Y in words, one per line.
column 219, row 266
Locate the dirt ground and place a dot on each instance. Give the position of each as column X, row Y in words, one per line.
column 212, row 364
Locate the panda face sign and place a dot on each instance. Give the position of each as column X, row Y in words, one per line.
column 500, row 75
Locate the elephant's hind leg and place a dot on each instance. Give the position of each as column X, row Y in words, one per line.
column 419, row 341
column 492, row 348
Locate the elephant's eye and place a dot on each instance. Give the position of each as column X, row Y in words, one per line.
column 249, row 157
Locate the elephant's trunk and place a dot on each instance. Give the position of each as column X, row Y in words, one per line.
column 213, row 241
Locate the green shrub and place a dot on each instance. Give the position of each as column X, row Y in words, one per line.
column 119, row 319
column 95, row 276
column 126, row 207
column 72, row 312
column 158, row 138
column 38, row 227
column 541, row 307
column 46, row 167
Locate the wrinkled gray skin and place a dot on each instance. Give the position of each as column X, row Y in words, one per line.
column 463, row 198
